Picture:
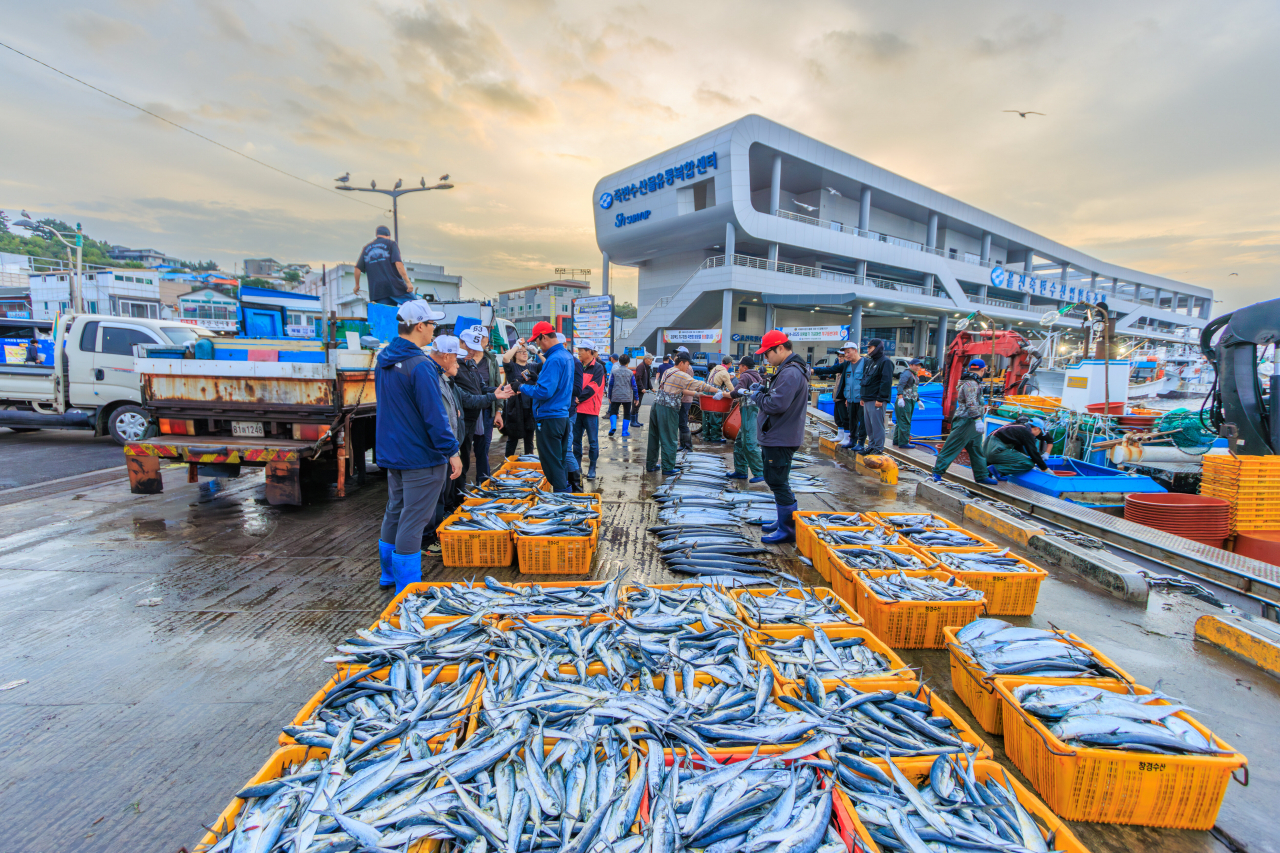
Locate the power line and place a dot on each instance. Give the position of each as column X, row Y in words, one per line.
column 194, row 133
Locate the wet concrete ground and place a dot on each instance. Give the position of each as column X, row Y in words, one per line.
column 49, row 454
column 137, row 723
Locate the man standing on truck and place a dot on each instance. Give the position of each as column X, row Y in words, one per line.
column 389, row 284
column 551, row 403
column 416, row 444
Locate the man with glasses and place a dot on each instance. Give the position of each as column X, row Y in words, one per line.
column 417, row 443
column 551, row 403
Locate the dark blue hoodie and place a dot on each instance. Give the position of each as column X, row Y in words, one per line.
column 413, row 426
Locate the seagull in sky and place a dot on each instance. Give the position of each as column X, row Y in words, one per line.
column 344, row 178
column 1026, row 113
column 423, row 182
column 399, row 184
column 445, row 176
column 373, row 185
column 808, row 207
column 1234, row 273
column 832, row 191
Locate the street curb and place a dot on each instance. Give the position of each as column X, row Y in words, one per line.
column 1238, row 639
column 1116, row 575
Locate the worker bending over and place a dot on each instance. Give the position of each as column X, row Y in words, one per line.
column 674, row 385
column 965, row 434
column 1015, row 449
column 784, row 402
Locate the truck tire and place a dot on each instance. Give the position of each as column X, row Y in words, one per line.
column 128, row 423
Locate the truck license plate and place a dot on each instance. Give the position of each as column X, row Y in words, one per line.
column 248, row 429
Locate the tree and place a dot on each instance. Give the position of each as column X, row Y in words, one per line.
column 252, row 281
column 624, row 311
column 291, row 276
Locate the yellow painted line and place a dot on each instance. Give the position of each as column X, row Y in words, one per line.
column 1001, row 524
column 1237, row 639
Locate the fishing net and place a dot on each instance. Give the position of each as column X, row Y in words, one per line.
column 1190, row 434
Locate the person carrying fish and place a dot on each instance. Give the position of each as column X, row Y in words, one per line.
column 673, row 386
column 1015, row 449
column 713, row 422
column 784, row 401
column 624, row 394
column 551, row 402
column 589, row 380
column 964, row 433
column 746, row 447
column 905, row 408
column 417, row 446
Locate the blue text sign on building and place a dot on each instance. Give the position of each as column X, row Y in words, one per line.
column 679, row 173
column 630, row 219
column 1042, row 286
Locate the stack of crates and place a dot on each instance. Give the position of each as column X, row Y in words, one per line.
column 1251, row 484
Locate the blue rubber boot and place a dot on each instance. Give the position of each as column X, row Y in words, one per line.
column 994, row 474
column 384, row 557
column 786, row 531
column 736, row 475
column 613, row 425
column 407, row 569
column 626, row 429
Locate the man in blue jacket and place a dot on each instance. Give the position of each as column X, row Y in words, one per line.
column 416, row 444
column 551, row 399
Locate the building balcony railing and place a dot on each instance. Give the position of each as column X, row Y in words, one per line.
column 1001, row 303
column 832, row 225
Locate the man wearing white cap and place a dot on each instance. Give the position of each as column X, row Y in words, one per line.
column 588, row 385
column 417, row 445
column 475, row 394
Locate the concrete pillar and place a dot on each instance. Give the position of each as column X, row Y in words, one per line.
column 986, row 245
column 1115, row 287
column 940, row 345
column 861, row 269
column 1026, row 299
column 775, row 185
column 855, row 325
column 931, row 236
column 1206, row 305
column 768, row 318
column 920, row 340
column 982, row 291
column 730, row 243
column 1159, row 296
column 928, row 284
column 864, row 210
column 1066, row 271
column 661, row 345
column 604, row 273
column 773, row 256
column 1029, row 262
column 726, row 319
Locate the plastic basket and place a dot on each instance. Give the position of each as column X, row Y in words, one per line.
column 1114, row 786
column 391, row 614
column 883, row 519
column 779, row 629
column 473, row 549
column 841, row 573
column 558, row 555
column 983, row 544
column 817, row 547
column 473, row 502
column 1008, row 593
column 855, row 834
column 805, row 540
column 466, row 724
column 977, row 689
column 595, row 617
column 911, row 624
column 906, row 680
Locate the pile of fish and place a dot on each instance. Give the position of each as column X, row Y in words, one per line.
column 534, row 474
column 478, row 520
column 941, row 538
column 529, row 457
column 953, row 811
column 1003, row 649
column 876, row 558
column 586, row 501
column 568, row 513
column 645, row 602
column 914, row 523
column 507, row 506
column 465, row 599
column 883, row 724
column 801, row 658
column 874, row 536
column 807, row 483
column 993, row 561
column 839, row 519
column 563, row 525
column 803, row 607
column 1081, row 715
column 900, row 587
column 492, row 489
column 404, row 703
column 722, row 552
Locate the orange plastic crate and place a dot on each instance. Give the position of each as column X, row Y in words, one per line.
column 884, row 519
column 474, row 549
column 904, row 680
column 834, row 564
column 912, row 624
column 1008, row 593
column 772, row 627
column 855, row 832
column 805, row 539
column 558, row 555
column 977, row 689
column 391, row 613
column 1114, row 786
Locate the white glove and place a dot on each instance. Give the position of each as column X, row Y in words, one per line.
column 719, row 395
column 900, row 402
column 981, row 425
column 920, row 406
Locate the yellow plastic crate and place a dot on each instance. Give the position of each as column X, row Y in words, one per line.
column 773, row 627
column 911, row 624
column 558, row 555
column 904, row 680
column 1008, row 593
column 474, row 549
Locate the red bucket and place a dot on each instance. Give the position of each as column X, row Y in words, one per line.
column 711, row 404
column 1106, row 408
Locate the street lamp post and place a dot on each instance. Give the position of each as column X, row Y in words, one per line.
column 394, row 193
column 77, row 281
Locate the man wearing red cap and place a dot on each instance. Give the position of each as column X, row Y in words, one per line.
column 551, row 398
column 783, row 403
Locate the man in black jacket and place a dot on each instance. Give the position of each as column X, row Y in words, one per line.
column 877, row 384
column 476, row 396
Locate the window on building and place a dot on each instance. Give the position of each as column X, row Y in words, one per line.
column 742, row 313
column 140, row 310
column 93, row 306
column 120, row 341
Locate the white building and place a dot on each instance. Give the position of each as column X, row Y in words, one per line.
column 754, row 226
column 549, row 301
column 209, row 309
column 118, row 292
column 336, row 287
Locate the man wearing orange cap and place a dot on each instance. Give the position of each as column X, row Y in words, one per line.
column 783, row 403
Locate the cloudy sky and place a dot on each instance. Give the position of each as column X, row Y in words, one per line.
column 1158, row 151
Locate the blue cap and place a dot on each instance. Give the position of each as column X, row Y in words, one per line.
column 1038, row 423
column 977, row 362
column 383, row 231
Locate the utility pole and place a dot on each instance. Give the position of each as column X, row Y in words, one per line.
column 395, row 194
column 77, row 281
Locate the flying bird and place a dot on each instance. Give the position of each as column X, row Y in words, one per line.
column 808, row 207
column 1234, row 273
column 373, row 185
column 1025, row 114
column 445, row 176
column 399, row 184
column 833, row 192
column 344, row 178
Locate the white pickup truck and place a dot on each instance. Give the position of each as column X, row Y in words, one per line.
column 92, row 383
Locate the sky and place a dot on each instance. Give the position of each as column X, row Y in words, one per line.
column 1157, row 151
